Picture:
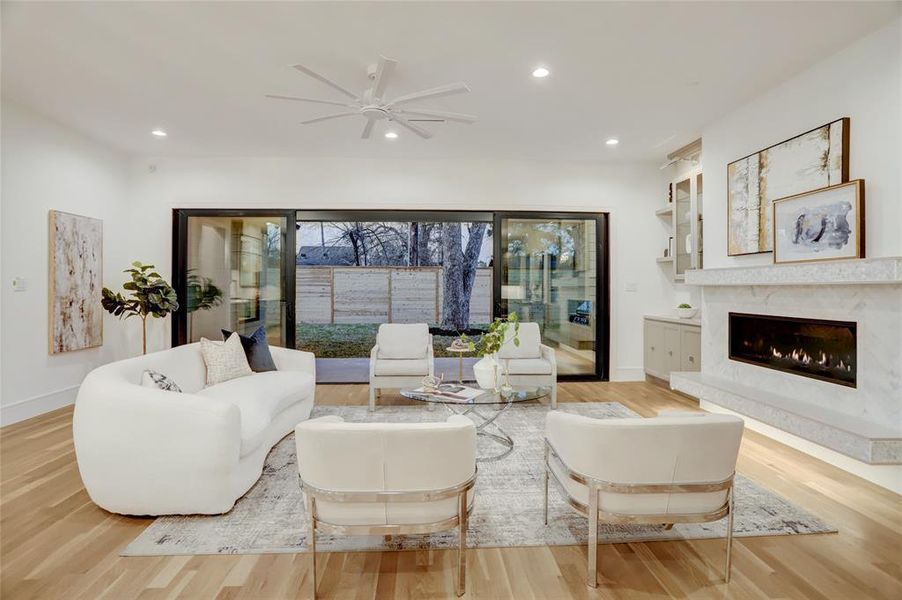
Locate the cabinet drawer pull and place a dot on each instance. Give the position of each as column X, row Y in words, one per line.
column 652, row 348
column 691, row 359
column 670, row 352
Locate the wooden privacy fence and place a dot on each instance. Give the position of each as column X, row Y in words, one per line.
column 382, row 295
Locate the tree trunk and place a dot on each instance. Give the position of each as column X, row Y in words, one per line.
column 453, row 316
column 470, row 261
column 413, row 245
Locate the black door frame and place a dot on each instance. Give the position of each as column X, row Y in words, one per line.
column 602, row 286
column 180, row 218
column 602, row 322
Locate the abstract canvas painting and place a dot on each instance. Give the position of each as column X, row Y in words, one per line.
column 75, row 283
column 825, row 224
column 809, row 161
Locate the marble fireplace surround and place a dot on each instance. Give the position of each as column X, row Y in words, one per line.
column 863, row 423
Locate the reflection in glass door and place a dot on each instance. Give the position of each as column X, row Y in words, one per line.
column 233, row 276
column 552, row 271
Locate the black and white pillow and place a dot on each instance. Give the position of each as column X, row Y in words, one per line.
column 155, row 379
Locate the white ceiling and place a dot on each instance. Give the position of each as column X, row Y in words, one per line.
column 652, row 74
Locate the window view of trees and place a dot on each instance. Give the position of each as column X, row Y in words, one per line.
column 429, row 269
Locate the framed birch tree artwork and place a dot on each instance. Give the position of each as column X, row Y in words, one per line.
column 75, row 282
column 812, row 160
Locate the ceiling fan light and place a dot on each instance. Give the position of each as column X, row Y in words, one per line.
column 391, row 135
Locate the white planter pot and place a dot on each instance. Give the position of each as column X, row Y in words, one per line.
column 485, row 371
column 686, row 313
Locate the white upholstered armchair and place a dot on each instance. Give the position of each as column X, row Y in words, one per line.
column 388, row 479
column 401, row 357
column 530, row 363
column 660, row 470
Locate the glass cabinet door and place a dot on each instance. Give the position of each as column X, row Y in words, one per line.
column 682, row 228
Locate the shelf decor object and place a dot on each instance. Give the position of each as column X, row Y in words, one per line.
column 809, row 161
column 75, row 281
column 824, row 224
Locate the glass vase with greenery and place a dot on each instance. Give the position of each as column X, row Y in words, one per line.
column 150, row 296
column 490, row 342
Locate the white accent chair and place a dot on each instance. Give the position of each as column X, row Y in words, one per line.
column 530, row 363
column 660, row 470
column 146, row 451
column 401, row 357
column 387, row 479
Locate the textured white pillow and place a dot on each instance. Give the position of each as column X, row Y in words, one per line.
column 224, row 360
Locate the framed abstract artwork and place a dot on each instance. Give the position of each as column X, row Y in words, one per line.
column 75, row 282
column 815, row 159
column 824, row 224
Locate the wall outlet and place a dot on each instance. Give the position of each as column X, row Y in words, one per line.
column 632, row 287
column 20, row 284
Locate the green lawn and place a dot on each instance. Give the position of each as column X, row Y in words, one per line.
column 351, row 341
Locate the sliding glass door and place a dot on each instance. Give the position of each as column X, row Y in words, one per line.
column 552, row 270
column 323, row 281
column 230, row 274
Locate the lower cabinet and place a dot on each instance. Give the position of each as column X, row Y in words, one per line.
column 671, row 346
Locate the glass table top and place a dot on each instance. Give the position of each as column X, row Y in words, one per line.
column 470, row 395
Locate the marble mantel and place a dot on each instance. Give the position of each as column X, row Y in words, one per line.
column 867, row 271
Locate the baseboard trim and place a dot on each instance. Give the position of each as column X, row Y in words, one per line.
column 628, row 374
column 36, row 406
column 886, row 476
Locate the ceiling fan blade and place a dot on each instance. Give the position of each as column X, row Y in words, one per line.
column 326, row 118
column 296, row 99
column 440, row 114
column 325, row 80
column 368, row 129
column 414, row 128
column 437, row 92
column 383, row 73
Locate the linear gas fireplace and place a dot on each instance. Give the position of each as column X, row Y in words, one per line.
column 816, row 348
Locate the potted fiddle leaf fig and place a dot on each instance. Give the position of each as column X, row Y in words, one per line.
column 488, row 370
column 149, row 296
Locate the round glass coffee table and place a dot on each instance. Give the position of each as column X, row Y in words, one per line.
column 483, row 408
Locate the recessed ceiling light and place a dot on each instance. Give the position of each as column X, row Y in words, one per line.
column 612, row 141
column 158, row 133
column 391, row 135
column 541, row 72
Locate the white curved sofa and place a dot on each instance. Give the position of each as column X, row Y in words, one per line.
column 145, row 451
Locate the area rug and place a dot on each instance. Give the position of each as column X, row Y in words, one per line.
column 271, row 517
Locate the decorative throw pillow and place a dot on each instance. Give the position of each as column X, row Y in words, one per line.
column 155, row 379
column 256, row 349
column 224, row 360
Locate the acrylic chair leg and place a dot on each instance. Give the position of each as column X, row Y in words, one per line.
column 592, row 570
column 729, row 560
column 462, row 545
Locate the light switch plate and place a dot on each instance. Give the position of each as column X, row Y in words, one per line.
column 632, row 287
column 20, row 284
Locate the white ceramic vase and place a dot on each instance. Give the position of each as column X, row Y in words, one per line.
column 487, row 372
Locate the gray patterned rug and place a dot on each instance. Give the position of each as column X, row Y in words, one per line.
column 508, row 510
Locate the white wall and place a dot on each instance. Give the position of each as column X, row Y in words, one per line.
column 47, row 166
column 864, row 82
column 629, row 192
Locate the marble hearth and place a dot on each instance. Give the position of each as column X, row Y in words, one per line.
column 863, row 422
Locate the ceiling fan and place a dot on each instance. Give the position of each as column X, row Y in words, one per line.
column 373, row 106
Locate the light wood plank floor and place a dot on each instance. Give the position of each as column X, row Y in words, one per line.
column 56, row 544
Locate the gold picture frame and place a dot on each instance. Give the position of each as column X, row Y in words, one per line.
column 821, row 225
